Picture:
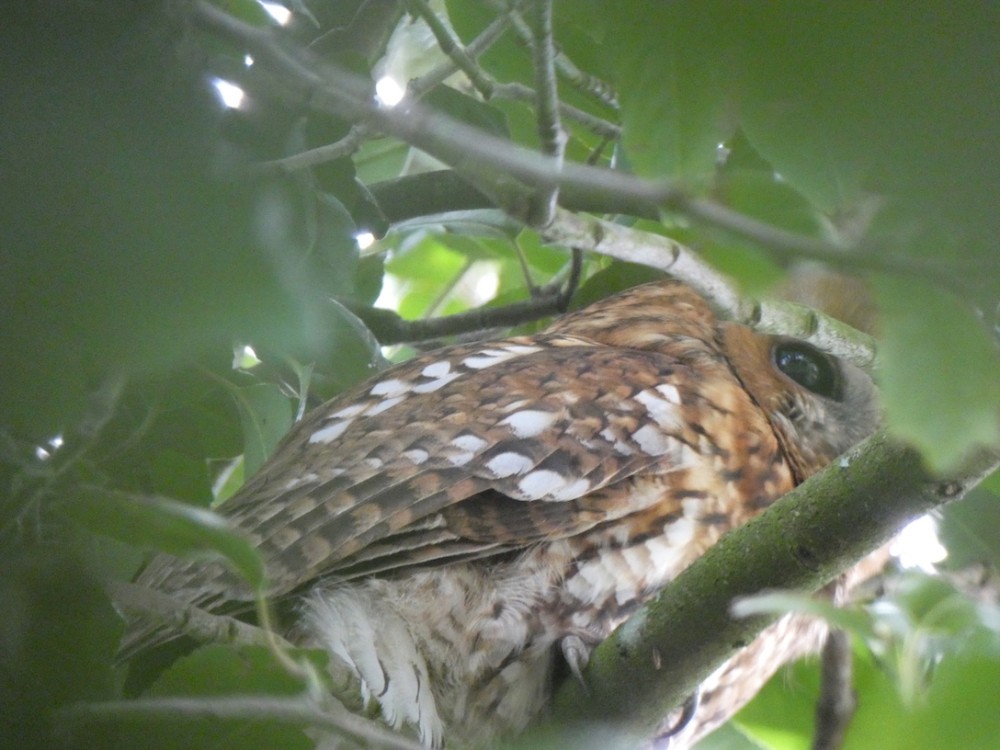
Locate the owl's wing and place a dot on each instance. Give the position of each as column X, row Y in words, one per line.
column 465, row 452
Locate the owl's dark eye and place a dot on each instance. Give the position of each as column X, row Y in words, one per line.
column 809, row 367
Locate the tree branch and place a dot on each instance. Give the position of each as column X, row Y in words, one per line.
column 550, row 131
column 837, row 701
column 473, row 50
column 495, row 165
column 452, row 47
column 657, row 251
column 553, row 298
column 339, row 149
column 300, row 711
column 655, row 660
column 202, row 626
column 205, row 627
column 507, row 173
column 444, row 191
column 581, row 81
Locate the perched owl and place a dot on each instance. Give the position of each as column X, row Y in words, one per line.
column 453, row 524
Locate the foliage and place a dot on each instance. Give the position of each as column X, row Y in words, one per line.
column 148, row 231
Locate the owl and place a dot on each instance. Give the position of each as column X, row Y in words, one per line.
column 464, row 525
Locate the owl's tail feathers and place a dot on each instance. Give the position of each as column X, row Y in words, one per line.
column 376, row 643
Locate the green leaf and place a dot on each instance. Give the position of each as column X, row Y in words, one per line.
column 961, row 706
column 675, row 88
column 727, row 737
column 467, row 109
column 782, row 602
column 166, row 525
column 750, row 266
column 266, row 415
column 992, row 483
column 763, row 195
column 229, row 479
column 245, row 10
column 780, row 717
column 941, row 374
column 226, row 670
column 617, row 277
column 178, row 475
column 970, row 530
column 222, row 671
column 59, row 634
column 934, row 606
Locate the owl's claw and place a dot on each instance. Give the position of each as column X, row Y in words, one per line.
column 576, row 652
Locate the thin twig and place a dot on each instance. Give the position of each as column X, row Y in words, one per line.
column 359, row 132
column 464, row 59
column 573, row 281
column 837, row 701
column 518, row 92
column 522, row 261
column 449, row 287
column 551, row 299
column 480, row 157
column 296, row 710
column 502, row 170
column 389, row 328
column 581, row 81
column 656, row 251
column 550, row 131
column 439, row 73
column 202, row 626
column 451, row 45
column 205, row 627
column 346, row 146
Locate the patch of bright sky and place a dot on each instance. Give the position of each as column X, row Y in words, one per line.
column 389, row 91
column 918, row 546
column 277, row 11
column 44, row 452
column 229, row 93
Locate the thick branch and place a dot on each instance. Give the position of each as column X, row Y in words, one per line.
column 653, row 662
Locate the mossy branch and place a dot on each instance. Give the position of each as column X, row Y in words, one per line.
column 654, row 661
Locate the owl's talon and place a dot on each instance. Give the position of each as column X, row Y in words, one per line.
column 576, row 652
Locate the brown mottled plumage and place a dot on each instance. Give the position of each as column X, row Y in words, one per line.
column 454, row 521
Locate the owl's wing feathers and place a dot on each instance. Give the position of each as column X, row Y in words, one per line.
column 451, row 454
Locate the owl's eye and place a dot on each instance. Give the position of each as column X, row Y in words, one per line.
column 809, row 367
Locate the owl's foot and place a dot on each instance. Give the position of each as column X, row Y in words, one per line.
column 576, row 653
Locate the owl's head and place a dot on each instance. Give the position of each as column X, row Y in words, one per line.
column 819, row 405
